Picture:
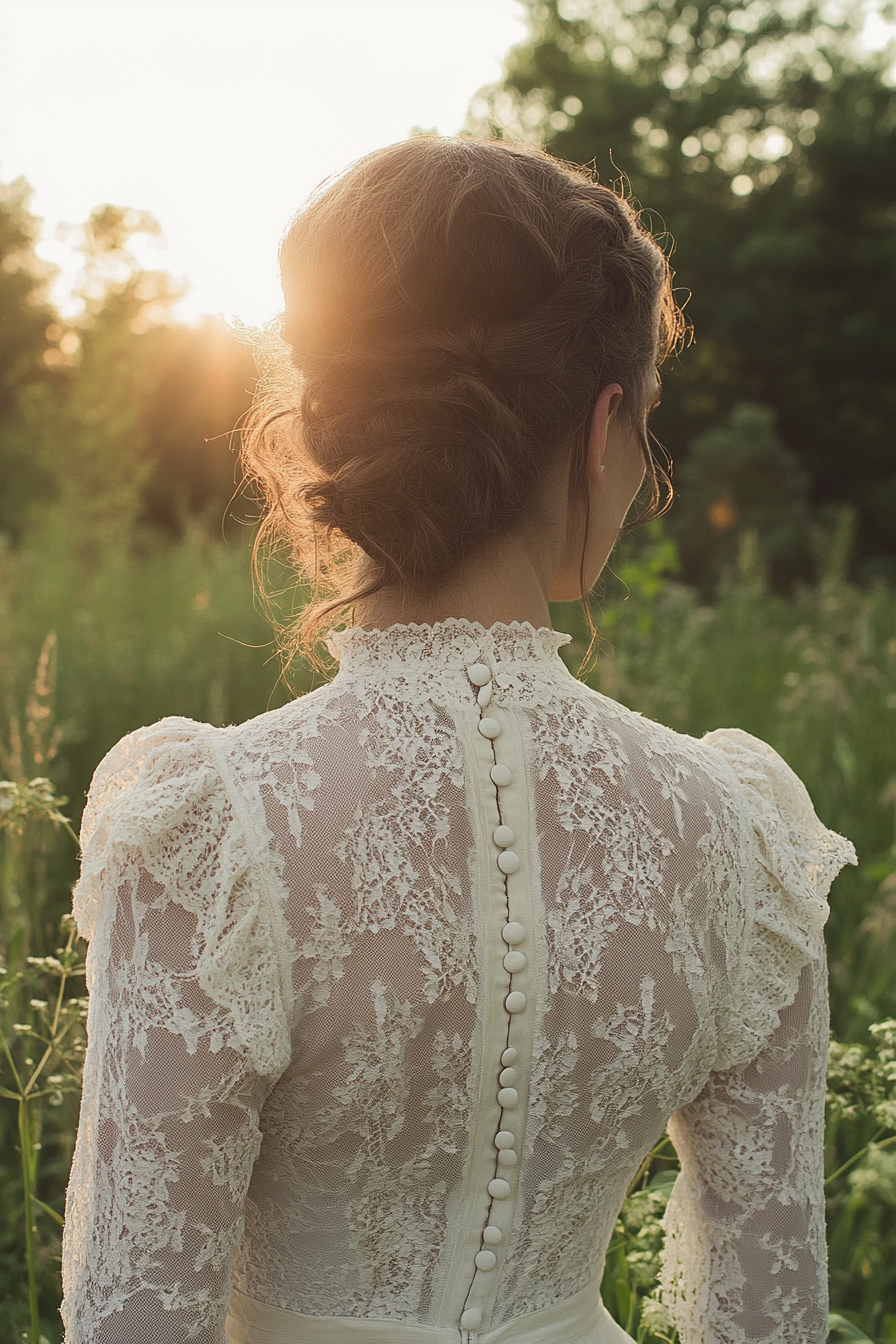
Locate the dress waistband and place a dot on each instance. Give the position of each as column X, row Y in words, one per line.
column 580, row 1319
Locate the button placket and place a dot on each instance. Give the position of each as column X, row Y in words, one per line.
column 501, row 1187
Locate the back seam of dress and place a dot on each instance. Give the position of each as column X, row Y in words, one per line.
column 456, row 1281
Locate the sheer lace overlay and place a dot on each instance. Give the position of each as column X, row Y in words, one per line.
column 391, row 991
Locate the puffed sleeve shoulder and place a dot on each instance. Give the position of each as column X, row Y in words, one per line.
column 164, row 823
column 188, row 1025
column 794, row 861
column 745, row 1247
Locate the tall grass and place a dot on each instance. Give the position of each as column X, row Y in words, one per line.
column 143, row 628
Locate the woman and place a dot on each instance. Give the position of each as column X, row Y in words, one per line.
column 393, row 989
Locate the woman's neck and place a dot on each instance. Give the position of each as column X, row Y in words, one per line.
column 510, row 583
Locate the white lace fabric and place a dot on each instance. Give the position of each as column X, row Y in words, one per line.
column 318, row 1069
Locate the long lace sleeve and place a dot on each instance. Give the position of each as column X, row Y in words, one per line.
column 187, row 1027
column 745, row 1257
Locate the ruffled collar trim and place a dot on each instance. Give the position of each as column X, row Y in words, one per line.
column 454, row 643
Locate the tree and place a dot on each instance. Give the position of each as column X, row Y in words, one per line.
column 25, row 309
column 28, row 328
column 118, row 415
column 764, row 141
column 739, row 477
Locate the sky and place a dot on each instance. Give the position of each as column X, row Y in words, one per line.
column 220, row 116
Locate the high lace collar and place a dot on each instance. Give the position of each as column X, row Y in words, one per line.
column 451, row 644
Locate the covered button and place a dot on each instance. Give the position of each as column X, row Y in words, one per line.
column 500, row 775
column 507, row 1158
column 471, row 1319
column 484, row 697
column 489, row 728
column 492, row 1236
column 508, row 1098
column 515, row 961
column 503, row 836
column 515, row 1001
column 499, row 1188
column 504, row 1139
column 479, row 674
column 507, row 1077
column 513, row 933
column 510, row 1055
column 508, row 861
column 486, row 1260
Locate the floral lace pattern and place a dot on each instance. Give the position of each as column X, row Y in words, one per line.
column 289, row 1078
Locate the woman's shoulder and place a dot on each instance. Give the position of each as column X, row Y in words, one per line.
column 145, row 757
column 790, row 863
column 152, row 796
column 748, row 778
column 175, row 744
column 301, row 717
column 160, row 777
column 164, row 827
column 765, row 834
column 714, row 755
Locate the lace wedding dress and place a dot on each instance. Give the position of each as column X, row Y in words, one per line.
column 391, row 991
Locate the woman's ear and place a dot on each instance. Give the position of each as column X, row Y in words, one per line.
column 605, row 408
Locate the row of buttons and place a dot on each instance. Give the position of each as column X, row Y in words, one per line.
column 513, row 935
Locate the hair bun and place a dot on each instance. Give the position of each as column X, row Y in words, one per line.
column 453, row 308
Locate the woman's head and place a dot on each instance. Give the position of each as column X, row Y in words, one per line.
column 453, row 309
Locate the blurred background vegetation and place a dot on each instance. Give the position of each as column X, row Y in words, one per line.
column 763, row 141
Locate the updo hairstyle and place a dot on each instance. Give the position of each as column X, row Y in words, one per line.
column 453, row 307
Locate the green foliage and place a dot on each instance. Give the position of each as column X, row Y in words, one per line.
column 18, row 801
column 862, row 1189
column 42, row 1024
column 631, row 1273
column 840, row 1328
column 24, row 306
column 144, row 627
column 40, row 1066
column 860, row 1082
column 764, row 140
column 737, row 477
column 25, row 315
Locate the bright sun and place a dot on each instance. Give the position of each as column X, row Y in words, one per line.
column 219, row 116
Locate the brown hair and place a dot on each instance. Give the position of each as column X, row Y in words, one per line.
column 453, row 309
